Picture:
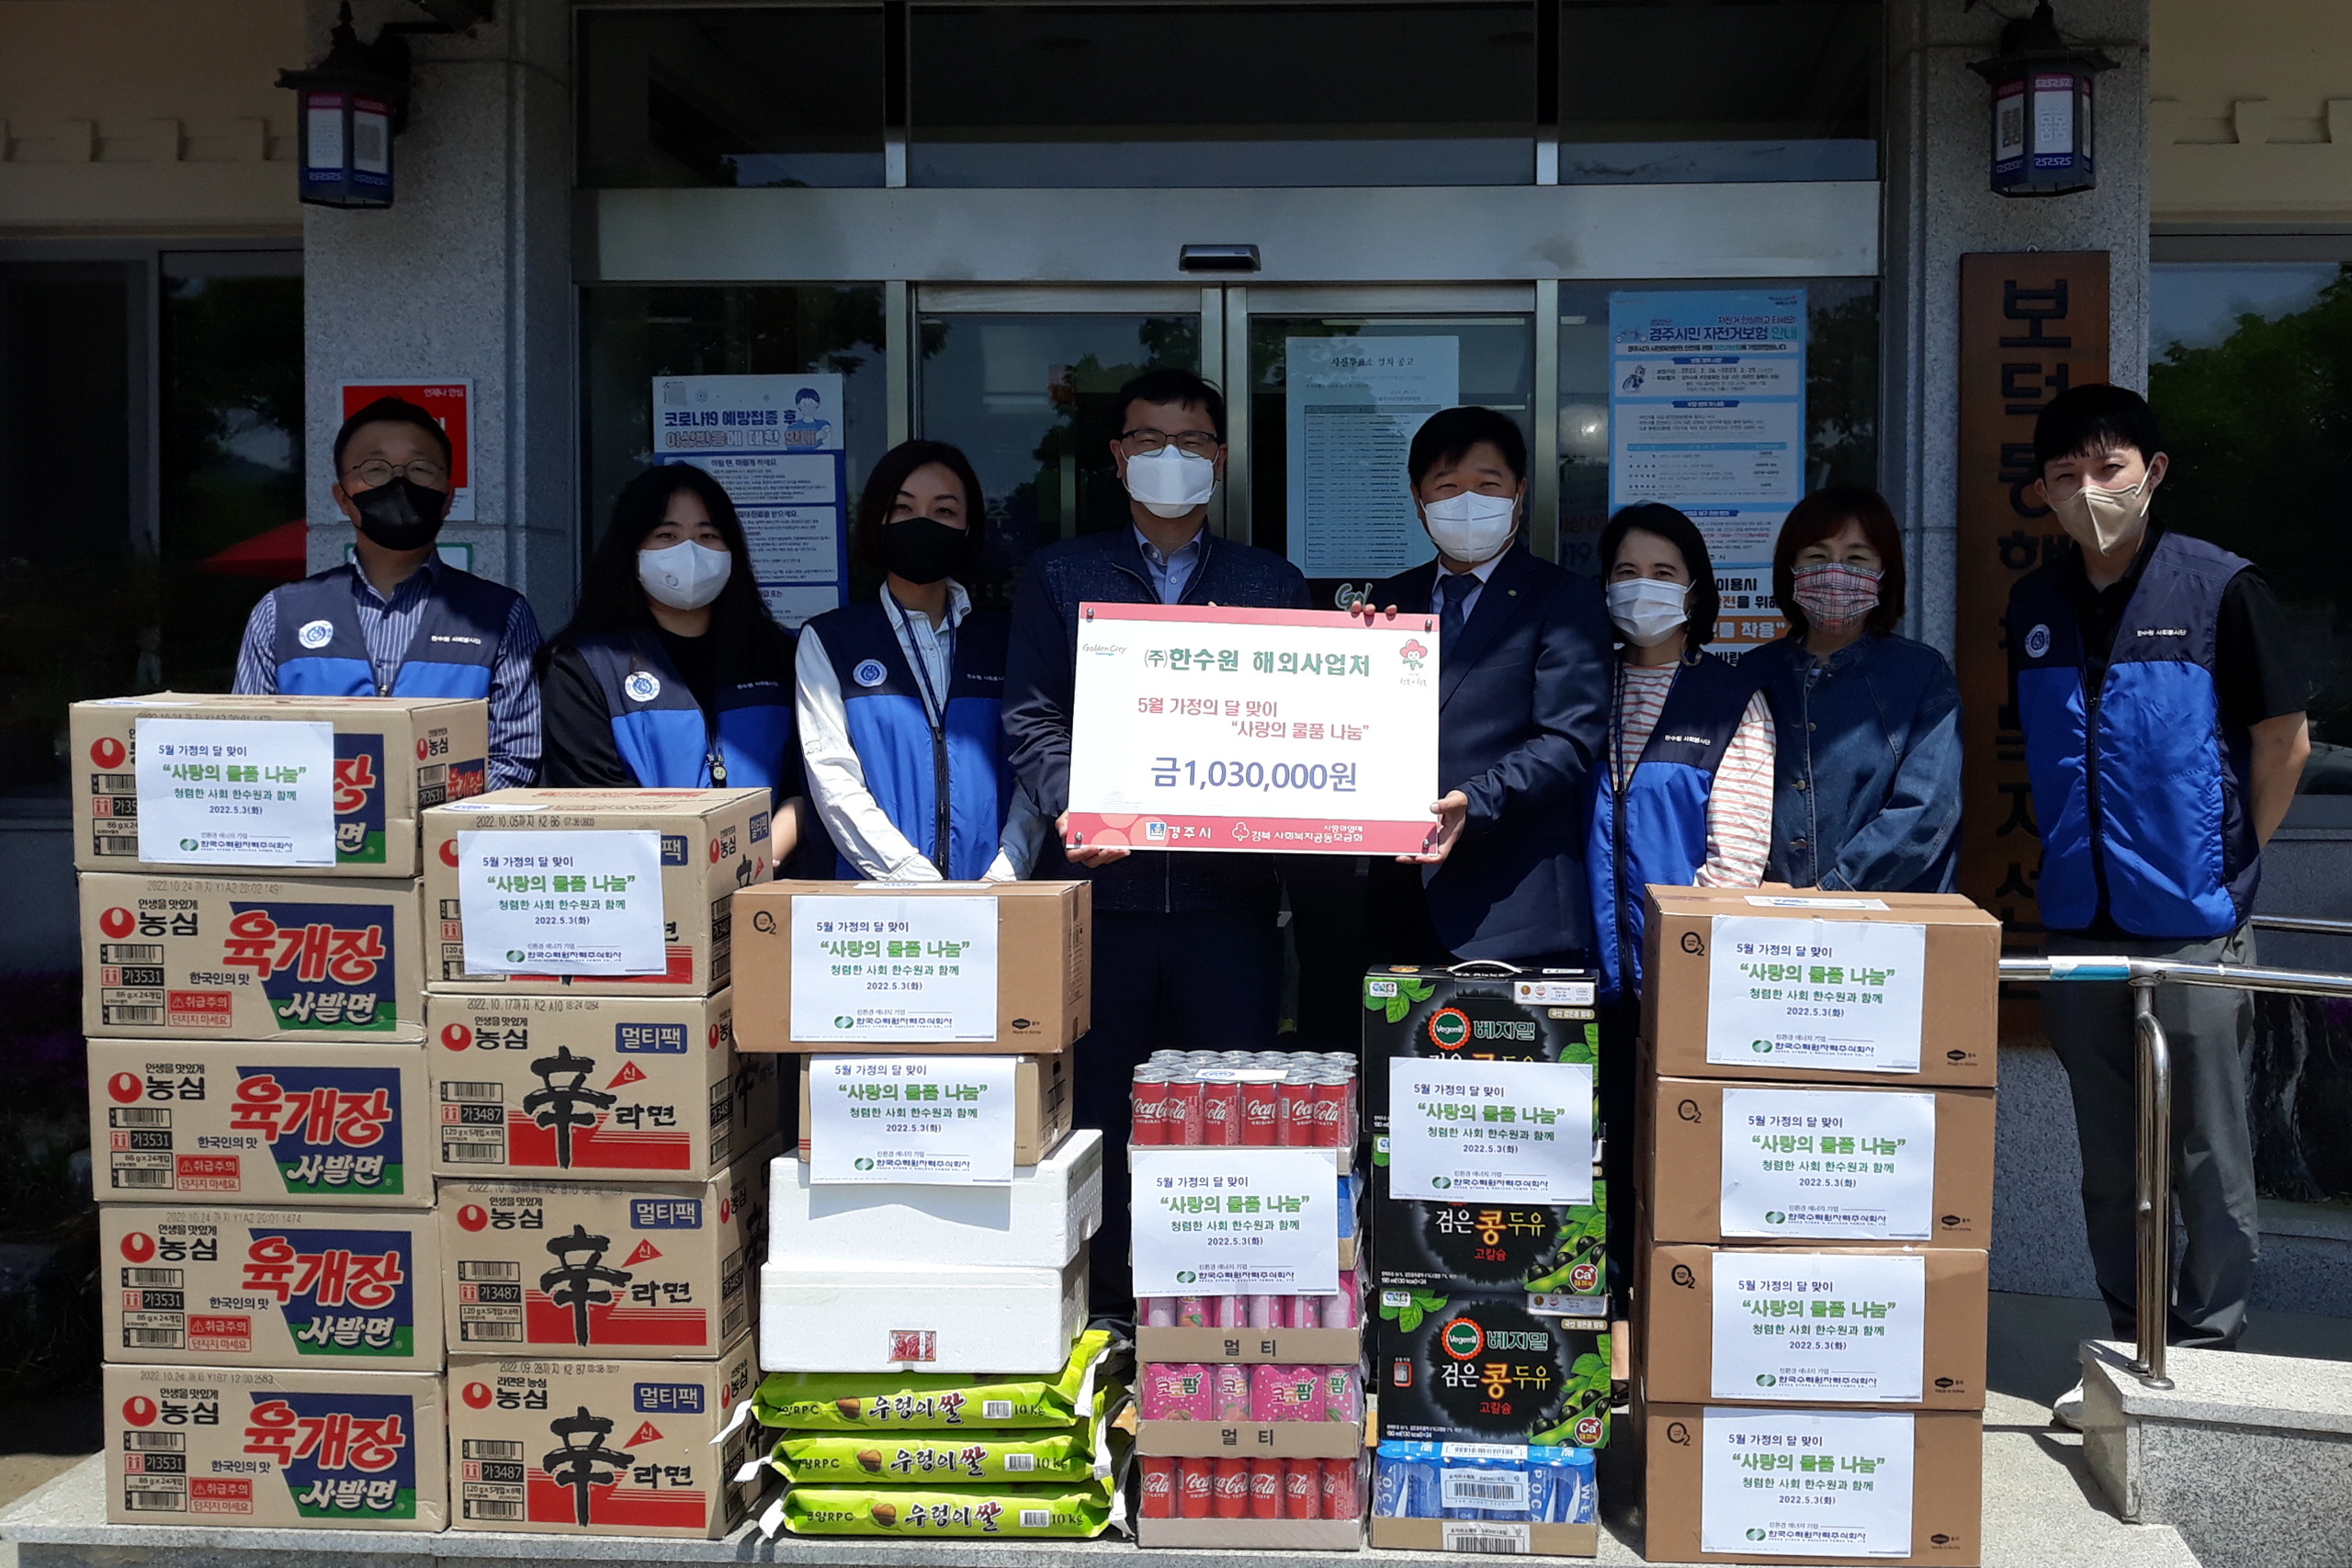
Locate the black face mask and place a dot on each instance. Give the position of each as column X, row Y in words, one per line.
column 923, row 549
column 400, row 514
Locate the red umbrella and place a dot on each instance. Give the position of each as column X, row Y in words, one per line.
column 280, row 554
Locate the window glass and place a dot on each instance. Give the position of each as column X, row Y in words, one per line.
column 732, row 96
column 1021, row 96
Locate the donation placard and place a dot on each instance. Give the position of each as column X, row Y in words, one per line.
column 1231, row 1221
column 1844, row 996
column 557, row 903
column 1196, row 728
column 1490, row 1132
column 1829, row 1163
column 1808, row 1484
column 1819, row 1328
column 868, row 970
column 921, row 1121
column 235, row 792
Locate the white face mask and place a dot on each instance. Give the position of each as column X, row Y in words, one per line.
column 2099, row 519
column 1471, row 527
column 1171, row 481
column 685, row 576
column 1646, row 609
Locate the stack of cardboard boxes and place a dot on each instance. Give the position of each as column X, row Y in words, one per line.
column 1817, row 1165
column 600, row 1145
column 270, row 1267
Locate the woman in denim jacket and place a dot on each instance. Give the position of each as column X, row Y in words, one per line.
column 1866, row 797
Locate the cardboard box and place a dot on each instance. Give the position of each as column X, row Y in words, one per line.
column 1514, row 1540
column 655, row 1271
column 1944, row 1455
column 1041, row 1221
column 601, row 1447
column 1251, row 1440
column 258, row 1122
column 395, row 756
column 1253, row 1535
column 1531, row 1015
column 1837, row 1010
column 1864, row 1191
column 250, row 958
column 581, row 1088
column 1045, row 997
column 275, row 1449
column 1484, row 1369
column 1042, row 1108
column 1549, row 1249
column 713, row 842
column 821, row 1316
column 1815, row 1324
column 353, row 1288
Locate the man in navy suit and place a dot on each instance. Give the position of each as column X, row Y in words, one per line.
column 1522, row 715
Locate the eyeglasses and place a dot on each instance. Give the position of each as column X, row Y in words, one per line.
column 376, row 471
column 1143, row 443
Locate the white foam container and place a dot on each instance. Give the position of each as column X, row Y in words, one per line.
column 1041, row 1221
column 918, row 1317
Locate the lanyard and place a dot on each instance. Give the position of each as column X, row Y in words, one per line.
column 934, row 707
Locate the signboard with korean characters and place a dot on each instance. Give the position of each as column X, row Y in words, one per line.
column 1842, row 996
column 1829, row 1163
column 1819, row 1328
column 1468, row 1131
column 880, row 970
column 584, row 903
column 1234, row 1221
column 1202, row 727
column 235, row 792
column 916, row 1120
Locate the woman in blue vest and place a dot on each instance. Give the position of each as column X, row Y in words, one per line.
column 901, row 696
column 672, row 675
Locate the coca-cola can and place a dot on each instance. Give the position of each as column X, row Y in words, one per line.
column 1332, row 1096
column 1262, row 1113
column 1220, row 1113
column 1265, row 1489
column 1159, row 1488
column 1150, row 1097
column 1302, row 1489
column 1196, row 1488
column 1340, row 1500
column 1297, row 1110
column 1232, row 1488
column 1184, row 1113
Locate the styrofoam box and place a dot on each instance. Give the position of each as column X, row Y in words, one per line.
column 1039, row 1222
column 922, row 1317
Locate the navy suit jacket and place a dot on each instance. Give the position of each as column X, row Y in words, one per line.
column 1522, row 721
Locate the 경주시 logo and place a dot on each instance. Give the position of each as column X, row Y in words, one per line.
column 1413, row 653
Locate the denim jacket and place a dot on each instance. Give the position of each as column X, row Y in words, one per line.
column 1866, row 797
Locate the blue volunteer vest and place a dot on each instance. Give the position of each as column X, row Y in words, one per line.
column 1664, row 835
column 320, row 652
column 948, row 791
column 2139, row 792
column 664, row 736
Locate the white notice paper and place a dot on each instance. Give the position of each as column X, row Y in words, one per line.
column 1846, row 995
column 1244, row 1222
column 1490, row 1132
column 920, row 1120
column 873, row 970
column 1819, row 1328
column 1350, row 406
column 1818, row 1164
column 581, row 903
column 235, row 792
column 1808, row 1484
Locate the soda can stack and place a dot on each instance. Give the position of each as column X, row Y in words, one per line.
column 1247, row 1099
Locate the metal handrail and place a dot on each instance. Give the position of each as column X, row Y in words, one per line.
column 2302, row 923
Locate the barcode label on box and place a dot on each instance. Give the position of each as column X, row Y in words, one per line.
column 138, row 1116
column 152, row 1339
column 491, row 1508
column 476, row 1093
column 485, row 1331
column 491, row 1448
column 1510, row 1540
column 154, row 1278
column 1484, row 1489
column 130, row 952
column 142, row 1179
column 154, row 1442
column 479, row 1270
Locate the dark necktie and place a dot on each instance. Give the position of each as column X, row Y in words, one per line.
column 1457, row 587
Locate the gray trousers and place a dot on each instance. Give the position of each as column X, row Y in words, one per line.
column 2210, row 1032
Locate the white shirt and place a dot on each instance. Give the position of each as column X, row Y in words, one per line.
column 1481, row 573
column 861, row 829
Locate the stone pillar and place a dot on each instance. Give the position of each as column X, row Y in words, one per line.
column 467, row 275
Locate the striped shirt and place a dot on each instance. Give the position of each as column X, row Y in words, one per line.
column 1739, row 810
column 388, row 625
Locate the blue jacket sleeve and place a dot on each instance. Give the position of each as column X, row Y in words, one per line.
column 1548, row 771
column 1040, row 676
column 1904, row 842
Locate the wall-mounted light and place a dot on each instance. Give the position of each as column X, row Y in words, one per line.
column 352, row 104
column 2043, row 112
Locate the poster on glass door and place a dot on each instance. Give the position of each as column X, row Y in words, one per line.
column 1706, row 412
column 776, row 443
column 1350, row 408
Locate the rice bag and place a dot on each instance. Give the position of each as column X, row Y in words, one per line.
column 856, row 1402
column 1038, row 1513
column 1086, row 1452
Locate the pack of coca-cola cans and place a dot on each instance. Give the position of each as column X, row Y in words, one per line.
column 1205, row 1488
column 1247, row 1099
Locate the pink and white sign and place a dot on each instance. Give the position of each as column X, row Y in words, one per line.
column 1293, row 731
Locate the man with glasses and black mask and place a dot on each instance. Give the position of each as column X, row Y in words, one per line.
column 1184, row 944
column 398, row 621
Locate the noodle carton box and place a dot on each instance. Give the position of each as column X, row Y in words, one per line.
column 603, row 1447
column 257, row 1446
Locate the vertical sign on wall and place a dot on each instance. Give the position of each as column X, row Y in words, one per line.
column 776, row 443
column 2032, row 324
column 1350, row 407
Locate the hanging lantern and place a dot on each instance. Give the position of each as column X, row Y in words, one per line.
column 352, row 104
column 2043, row 109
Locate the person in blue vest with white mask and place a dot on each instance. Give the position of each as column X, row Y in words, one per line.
column 672, row 675
column 398, row 621
column 2165, row 734
column 901, row 696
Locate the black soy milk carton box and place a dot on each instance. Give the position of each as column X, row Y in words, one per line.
column 1482, row 1013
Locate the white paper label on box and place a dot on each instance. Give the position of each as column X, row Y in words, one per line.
column 1234, row 1221
column 1823, row 1164
column 235, row 792
column 1490, row 1132
column 562, row 903
column 1819, row 1328
column 918, row 1121
column 1848, row 996
column 1808, row 1484
column 1796, row 901
column 880, row 970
